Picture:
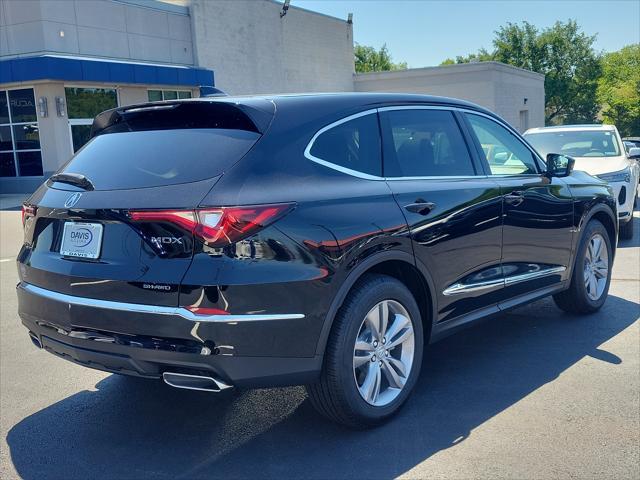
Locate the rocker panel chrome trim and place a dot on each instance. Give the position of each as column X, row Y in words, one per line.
column 458, row 288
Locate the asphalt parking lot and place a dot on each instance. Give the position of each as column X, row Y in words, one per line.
column 531, row 394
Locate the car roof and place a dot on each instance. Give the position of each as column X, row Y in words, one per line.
column 572, row 128
column 288, row 109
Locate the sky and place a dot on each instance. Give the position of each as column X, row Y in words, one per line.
column 425, row 32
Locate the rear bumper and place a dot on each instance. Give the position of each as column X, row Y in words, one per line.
column 142, row 340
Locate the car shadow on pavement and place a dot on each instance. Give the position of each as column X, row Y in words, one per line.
column 131, row 428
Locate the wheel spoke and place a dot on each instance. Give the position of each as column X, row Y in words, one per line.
column 359, row 360
column 593, row 286
column 393, row 377
column 371, row 386
column 362, row 346
column 399, row 322
column 373, row 321
column 362, row 353
column 402, row 337
column 597, row 247
column 383, row 317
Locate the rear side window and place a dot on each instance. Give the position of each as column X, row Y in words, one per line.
column 424, row 143
column 159, row 157
column 354, row 144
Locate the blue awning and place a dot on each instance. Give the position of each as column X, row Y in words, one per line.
column 51, row 67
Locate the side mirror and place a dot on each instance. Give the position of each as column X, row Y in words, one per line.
column 559, row 165
column 634, row 153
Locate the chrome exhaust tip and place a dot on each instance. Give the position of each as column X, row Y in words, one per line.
column 194, row 382
column 35, row 340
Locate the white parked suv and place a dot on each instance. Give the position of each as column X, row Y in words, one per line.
column 599, row 151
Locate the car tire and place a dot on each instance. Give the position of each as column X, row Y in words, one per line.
column 583, row 295
column 626, row 229
column 340, row 392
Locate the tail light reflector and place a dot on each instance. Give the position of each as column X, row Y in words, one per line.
column 28, row 211
column 218, row 227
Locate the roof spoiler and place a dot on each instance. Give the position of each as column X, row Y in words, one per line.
column 189, row 113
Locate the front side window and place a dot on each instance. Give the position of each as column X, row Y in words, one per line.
column 424, row 143
column 504, row 152
column 354, row 144
column 20, row 153
column 82, row 105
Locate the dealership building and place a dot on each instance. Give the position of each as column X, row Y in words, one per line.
column 64, row 61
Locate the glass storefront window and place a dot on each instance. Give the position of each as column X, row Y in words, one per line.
column 29, row 164
column 158, row 95
column 26, row 136
column 4, row 108
column 82, row 105
column 7, row 165
column 89, row 102
column 155, row 95
column 20, row 154
column 79, row 135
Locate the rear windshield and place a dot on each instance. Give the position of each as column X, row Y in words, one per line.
column 154, row 158
column 583, row 143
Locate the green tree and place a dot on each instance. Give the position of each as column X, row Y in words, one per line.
column 482, row 56
column 571, row 67
column 619, row 89
column 566, row 57
column 368, row 59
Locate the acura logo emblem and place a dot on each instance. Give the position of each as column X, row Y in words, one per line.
column 72, row 200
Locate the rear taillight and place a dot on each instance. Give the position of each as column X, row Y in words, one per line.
column 218, row 227
column 28, row 211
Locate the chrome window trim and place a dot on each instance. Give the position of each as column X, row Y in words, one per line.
column 366, row 176
column 152, row 309
column 348, row 171
column 458, row 288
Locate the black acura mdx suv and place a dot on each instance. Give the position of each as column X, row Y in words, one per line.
column 321, row 240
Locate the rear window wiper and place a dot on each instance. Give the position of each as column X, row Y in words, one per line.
column 75, row 179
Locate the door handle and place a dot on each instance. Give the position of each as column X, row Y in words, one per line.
column 420, row 207
column 514, row 198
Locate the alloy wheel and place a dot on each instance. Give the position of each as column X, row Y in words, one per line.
column 383, row 353
column 596, row 267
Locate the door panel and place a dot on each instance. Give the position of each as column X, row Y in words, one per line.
column 537, row 232
column 538, row 210
column 454, row 216
column 459, row 240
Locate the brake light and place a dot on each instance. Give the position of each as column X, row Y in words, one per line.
column 28, row 211
column 217, row 227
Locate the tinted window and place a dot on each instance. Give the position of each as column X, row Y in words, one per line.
column 23, row 105
column 159, row 157
column 354, row 144
column 424, row 143
column 577, row 144
column 505, row 153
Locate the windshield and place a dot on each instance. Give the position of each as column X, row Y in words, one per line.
column 583, row 143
